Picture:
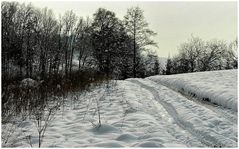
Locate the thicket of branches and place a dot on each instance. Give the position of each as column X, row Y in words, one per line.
column 36, row 44
column 197, row 55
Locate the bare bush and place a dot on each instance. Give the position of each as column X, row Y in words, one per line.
column 42, row 118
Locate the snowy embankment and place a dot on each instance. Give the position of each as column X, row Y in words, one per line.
column 219, row 87
column 135, row 113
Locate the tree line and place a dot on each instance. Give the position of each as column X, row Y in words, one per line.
column 197, row 55
column 36, row 44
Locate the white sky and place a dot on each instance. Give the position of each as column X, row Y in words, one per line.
column 174, row 22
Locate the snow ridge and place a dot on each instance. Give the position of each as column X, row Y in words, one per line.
column 218, row 87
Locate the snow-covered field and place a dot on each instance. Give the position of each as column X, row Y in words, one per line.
column 145, row 113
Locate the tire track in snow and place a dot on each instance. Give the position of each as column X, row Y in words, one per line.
column 203, row 137
column 224, row 112
column 164, row 120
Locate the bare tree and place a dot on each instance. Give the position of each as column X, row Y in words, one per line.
column 9, row 35
column 137, row 27
column 83, row 41
column 232, row 58
column 212, row 56
column 197, row 55
column 69, row 21
column 192, row 50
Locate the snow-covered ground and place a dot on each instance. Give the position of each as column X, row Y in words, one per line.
column 141, row 113
column 219, row 87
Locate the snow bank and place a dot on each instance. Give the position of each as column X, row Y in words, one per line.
column 219, row 87
column 29, row 83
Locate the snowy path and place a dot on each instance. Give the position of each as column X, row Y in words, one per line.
column 141, row 122
column 209, row 127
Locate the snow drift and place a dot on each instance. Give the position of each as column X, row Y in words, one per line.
column 219, row 87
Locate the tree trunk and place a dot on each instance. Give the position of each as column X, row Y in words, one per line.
column 71, row 57
column 134, row 67
column 66, row 62
column 42, row 64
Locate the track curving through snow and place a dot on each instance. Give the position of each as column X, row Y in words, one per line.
column 224, row 112
column 204, row 124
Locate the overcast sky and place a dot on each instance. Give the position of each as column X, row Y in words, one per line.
column 174, row 22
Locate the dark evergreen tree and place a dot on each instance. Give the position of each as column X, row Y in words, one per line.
column 169, row 66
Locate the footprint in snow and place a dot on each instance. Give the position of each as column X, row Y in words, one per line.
column 103, row 129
